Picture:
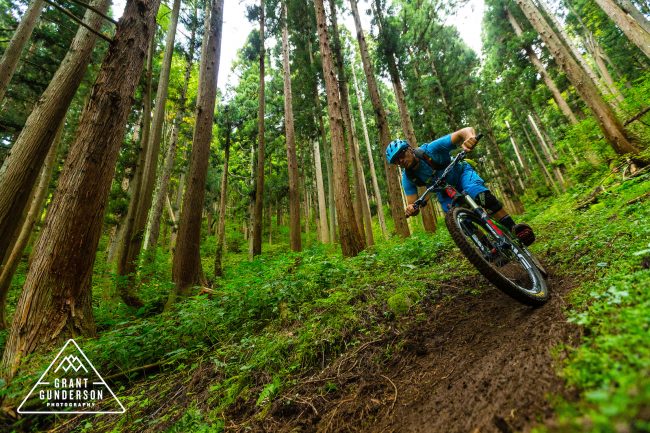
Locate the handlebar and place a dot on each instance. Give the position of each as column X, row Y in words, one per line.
column 422, row 200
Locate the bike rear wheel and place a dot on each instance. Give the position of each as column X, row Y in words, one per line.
column 512, row 270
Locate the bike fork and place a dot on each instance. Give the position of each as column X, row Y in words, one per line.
column 494, row 229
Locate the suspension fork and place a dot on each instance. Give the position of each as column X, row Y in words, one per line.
column 491, row 226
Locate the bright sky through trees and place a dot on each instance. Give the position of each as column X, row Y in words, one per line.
column 236, row 27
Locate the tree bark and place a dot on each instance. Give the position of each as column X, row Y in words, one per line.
column 221, row 224
column 292, row 161
column 156, row 212
column 609, row 124
column 320, row 189
column 555, row 92
column 259, row 178
column 547, row 154
column 11, row 56
column 20, row 170
column 186, row 267
column 629, row 8
column 392, row 174
column 628, row 25
column 34, row 212
column 351, row 241
column 125, row 260
column 57, row 287
column 371, row 162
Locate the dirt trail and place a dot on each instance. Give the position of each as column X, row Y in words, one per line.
column 477, row 363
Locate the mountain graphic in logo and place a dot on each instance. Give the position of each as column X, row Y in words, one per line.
column 74, row 386
column 71, row 362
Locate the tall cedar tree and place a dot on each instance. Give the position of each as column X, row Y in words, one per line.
column 133, row 244
column 259, row 174
column 56, row 298
column 351, row 241
column 186, row 269
column 20, row 170
column 11, row 56
column 392, row 174
column 292, row 161
column 609, row 124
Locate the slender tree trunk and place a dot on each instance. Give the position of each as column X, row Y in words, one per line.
column 259, row 180
column 547, row 153
column 159, row 201
column 557, row 95
column 540, row 162
column 221, row 224
column 407, row 126
column 371, row 162
column 292, row 161
column 148, row 177
column 350, row 133
column 186, row 267
column 599, row 58
column 125, row 260
column 351, row 241
column 363, row 191
column 20, row 170
column 57, row 286
column 18, row 41
column 628, row 25
column 392, row 174
column 517, row 152
column 320, row 188
column 34, row 212
column 629, row 8
column 609, row 124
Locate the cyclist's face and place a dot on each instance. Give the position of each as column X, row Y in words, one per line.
column 406, row 158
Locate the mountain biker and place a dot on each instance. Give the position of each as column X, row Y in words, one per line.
column 421, row 166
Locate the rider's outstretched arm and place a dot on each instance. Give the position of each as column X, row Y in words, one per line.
column 465, row 138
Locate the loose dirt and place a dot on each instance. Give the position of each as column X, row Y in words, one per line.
column 475, row 363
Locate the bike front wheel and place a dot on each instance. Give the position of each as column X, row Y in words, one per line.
column 510, row 268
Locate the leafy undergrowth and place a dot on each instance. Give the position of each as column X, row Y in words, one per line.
column 606, row 246
column 273, row 319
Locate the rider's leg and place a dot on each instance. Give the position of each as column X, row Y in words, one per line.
column 472, row 183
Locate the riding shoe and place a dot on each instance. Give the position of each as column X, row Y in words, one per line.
column 525, row 233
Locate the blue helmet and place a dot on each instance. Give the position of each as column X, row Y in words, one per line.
column 395, row 147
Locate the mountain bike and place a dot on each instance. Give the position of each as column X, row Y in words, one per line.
column 497, row 254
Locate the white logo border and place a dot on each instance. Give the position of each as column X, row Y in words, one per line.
column 64, row 411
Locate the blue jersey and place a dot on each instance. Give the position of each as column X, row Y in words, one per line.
column 462, row 177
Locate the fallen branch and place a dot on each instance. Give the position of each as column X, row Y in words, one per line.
column 637, row 117
column 395, row 387
column 133, row 370
column 639, row 198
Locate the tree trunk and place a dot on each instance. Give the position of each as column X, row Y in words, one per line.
column 20, row 170
column 292, row 161
column 34, row 212
column 221, row 224
column 144, row 198
column 125, row 260
column 450, row 114
column 363, row 191
column 259, row 179
column 557, row 95
column 629, row 8
column 320, row 189
column 159, row 201
column 351, row 241
column 371, row 162
column 547, row 153
column 609, row 124
column 407, row 127
column 599, row 58
column 351, row 134
column 186, row 267
column 392, row 174
column 58, row 284
column 11, row 56
column 628, row 25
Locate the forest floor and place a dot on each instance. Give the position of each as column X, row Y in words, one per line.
column 406, row 337
column 472, row 364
